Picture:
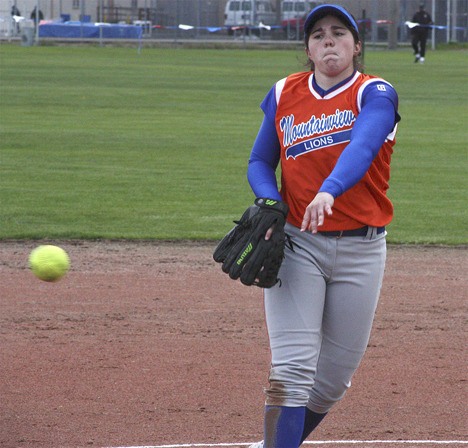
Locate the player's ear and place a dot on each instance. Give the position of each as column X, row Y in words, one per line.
column 357, row 48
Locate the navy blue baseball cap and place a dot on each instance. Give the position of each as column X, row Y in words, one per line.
column 321, row 11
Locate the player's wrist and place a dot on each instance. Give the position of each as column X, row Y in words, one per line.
column 273, row 205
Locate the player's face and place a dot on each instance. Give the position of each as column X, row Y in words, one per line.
column 331, row 47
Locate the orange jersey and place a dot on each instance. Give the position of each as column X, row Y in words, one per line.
column 311, row 143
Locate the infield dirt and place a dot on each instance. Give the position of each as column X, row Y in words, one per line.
column 149, row 343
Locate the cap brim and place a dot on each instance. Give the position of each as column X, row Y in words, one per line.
column 324, row 10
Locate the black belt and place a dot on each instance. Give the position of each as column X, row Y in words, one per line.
column 362, row 231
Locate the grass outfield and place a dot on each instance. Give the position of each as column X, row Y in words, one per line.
column 108, row 143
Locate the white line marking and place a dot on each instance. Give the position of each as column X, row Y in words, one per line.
column 388, row 442
column 320, row 442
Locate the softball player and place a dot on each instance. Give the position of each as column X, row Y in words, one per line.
column 419, row 34
column 332, row 130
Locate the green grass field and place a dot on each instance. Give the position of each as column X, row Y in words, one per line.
column 109, row 143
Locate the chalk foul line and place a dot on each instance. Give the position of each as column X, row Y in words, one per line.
column 318, row 442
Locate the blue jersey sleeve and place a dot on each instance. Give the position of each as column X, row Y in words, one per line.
column 374, row 123
column 265, row 154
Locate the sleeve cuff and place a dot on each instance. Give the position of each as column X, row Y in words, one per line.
column 333, row 187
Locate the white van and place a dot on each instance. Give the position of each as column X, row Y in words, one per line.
column 294, row 13
column 295, row 9
column 249, row 13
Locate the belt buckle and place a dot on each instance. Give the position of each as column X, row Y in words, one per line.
column 340, row 235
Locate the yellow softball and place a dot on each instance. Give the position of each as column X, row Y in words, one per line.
column 49, row 263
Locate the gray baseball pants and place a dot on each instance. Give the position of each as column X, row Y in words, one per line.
column 319, row 317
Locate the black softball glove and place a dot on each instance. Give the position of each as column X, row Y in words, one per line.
column 246, row 254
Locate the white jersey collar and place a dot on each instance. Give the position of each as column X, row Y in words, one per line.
column 334, row 91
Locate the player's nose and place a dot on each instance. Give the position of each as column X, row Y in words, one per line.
column 328, row 40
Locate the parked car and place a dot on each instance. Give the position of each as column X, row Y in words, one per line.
column 294, row 28
column 248, row 13
column 294, row 13
column 295, row 9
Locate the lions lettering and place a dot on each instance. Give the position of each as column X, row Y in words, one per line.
column 318, row 143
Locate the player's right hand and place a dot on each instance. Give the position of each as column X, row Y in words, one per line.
column 315, row 212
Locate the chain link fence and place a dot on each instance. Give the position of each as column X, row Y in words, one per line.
column 382, row 22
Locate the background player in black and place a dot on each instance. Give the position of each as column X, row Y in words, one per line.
column 37, row 16
column 15, row 14
column 419, row 33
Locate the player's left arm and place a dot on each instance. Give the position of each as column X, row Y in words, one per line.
column 377, row 119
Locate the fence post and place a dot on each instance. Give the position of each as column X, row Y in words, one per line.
column 363, row 35
column 393, row 27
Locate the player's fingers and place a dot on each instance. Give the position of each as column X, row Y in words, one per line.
column 310, row 220
column 314, row 215
column 321, row 210
column 268, row 233
column 317, row 219
column 305, row 220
